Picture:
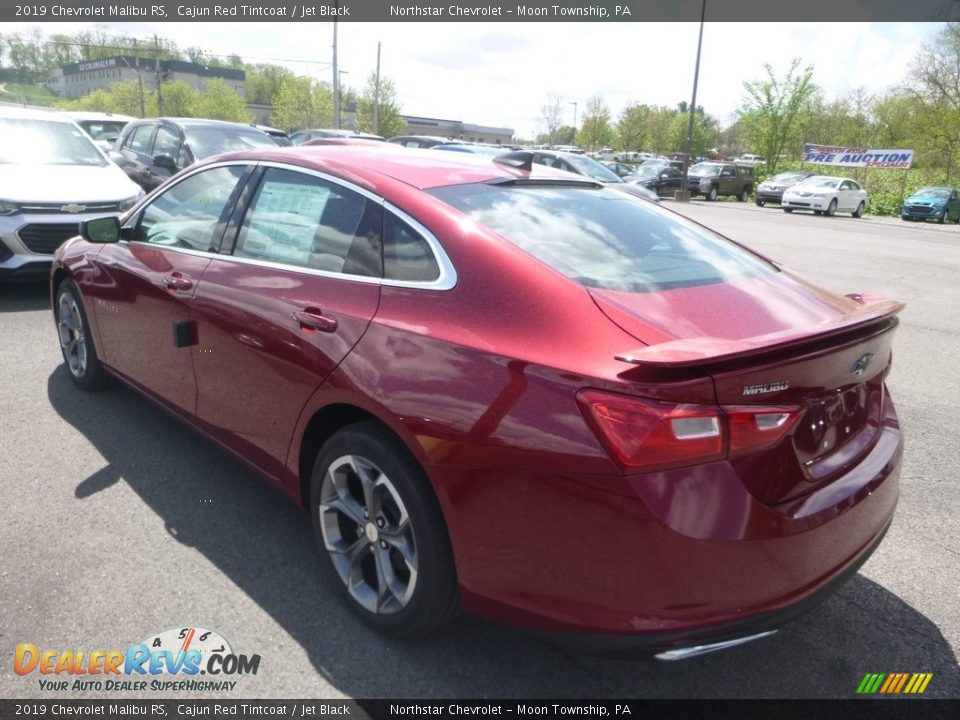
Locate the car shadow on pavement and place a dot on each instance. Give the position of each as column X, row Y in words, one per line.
column 24, row 296
column 264, row 544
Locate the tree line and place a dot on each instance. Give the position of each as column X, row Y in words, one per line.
column 785, row 107
column 298, row 101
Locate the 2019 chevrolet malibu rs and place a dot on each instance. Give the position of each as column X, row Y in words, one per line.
column 500, row 387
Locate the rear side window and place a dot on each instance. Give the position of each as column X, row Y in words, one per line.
column 603, row 238
column 305, row 221
column 407, row 255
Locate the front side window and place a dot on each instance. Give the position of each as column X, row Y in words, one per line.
column 139, row 140
column 167, row 142
column 602, row 238
column 192, row 213
column 306, row 221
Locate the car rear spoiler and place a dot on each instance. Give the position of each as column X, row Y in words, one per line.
column 689, row 352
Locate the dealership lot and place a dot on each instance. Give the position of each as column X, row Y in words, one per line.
column 119, row 523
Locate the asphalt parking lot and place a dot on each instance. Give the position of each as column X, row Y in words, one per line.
column 117, row 522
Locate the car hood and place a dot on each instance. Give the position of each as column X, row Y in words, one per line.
column 743, row 308
column 64, row 183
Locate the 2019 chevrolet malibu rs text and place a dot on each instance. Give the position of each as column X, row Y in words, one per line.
column 502, row 388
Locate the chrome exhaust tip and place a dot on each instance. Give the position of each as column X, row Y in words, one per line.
column 688, row 652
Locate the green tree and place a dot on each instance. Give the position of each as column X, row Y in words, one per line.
column 301, row 102
column 218, row 101
column 180, row 99
column 658, row 128
column 377, row 108
column 263, row 82
column 632, row 128
column 596, row 132
column 771, row 108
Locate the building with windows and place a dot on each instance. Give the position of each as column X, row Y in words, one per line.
column 458, row 130
column 79, row 79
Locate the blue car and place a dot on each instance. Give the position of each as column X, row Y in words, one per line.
column 932, row 203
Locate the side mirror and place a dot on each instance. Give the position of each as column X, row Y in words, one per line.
column 101, row 230
column 166, row 162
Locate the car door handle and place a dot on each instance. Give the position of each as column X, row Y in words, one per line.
column 313, row 319
column 176, row 281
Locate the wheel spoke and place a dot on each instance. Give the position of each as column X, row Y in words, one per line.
column 345, row 505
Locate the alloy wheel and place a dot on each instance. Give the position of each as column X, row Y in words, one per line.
column 73, row 341
column 367, row 532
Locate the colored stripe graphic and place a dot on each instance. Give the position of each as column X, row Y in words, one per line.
column 894, row 683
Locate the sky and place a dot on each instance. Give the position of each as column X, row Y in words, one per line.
column 499, row 74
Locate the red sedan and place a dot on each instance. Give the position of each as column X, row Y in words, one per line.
column 499, row 387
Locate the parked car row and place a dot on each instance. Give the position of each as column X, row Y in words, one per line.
column 500, row 387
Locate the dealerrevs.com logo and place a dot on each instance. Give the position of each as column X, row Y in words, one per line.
column 171, row 660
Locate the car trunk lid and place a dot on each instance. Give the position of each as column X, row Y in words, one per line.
column 773, row 341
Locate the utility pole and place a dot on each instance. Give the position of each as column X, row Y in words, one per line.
column 136, row 59
column 684, row 193
column 574, row 141
column 156, row 54
column 336, row 76
column 376, row 96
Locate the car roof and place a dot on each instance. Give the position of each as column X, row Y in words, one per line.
column 419, row 168
column 198, row 122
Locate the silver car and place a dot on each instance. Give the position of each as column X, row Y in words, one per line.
column 52, row 176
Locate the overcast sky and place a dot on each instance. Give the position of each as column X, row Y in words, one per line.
column 500, row 73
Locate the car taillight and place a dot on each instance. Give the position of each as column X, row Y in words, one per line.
column 649, row 435
column 646, row 435
column 758, row 427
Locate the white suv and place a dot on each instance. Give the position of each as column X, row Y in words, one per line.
column 52, row 176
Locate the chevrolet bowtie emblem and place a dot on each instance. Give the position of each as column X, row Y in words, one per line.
column 73, row 208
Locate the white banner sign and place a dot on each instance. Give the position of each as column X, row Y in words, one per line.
column 857, row 157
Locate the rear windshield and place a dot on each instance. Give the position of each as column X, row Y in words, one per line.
column 207, row 141
column 604, row 238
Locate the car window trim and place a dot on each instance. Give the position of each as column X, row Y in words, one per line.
column 448, row 274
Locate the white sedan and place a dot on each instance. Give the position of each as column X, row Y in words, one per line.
column 826, row 195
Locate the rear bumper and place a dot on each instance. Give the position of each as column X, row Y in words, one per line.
column 661, row 560
column 754, row 627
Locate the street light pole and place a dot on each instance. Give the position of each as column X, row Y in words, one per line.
column 684, row 193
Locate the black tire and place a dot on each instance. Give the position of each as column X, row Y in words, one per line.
column 861, row 209
column 712, row 193
column 788, row 210
column 76, row 340
column 744, row 195
column 404, row 488
column 831, row 208
column 760, row 203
